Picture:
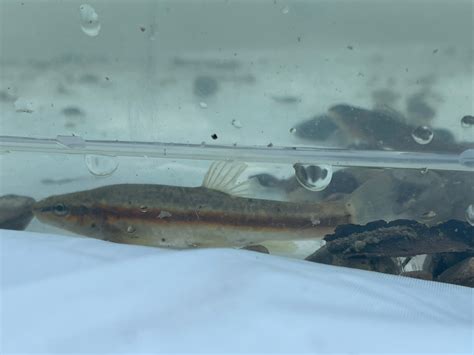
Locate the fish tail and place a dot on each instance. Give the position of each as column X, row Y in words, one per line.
column 373, row 200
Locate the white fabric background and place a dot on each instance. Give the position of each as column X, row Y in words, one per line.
column 65, row 294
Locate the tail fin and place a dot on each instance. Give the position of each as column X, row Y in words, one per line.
column 373, row 200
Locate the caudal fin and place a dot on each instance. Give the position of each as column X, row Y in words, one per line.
column 374, row 200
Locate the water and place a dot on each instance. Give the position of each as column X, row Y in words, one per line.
column 124, row 71
column 24, row 105
column 237, row 124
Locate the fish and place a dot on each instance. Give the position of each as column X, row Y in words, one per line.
column 379, row 129
column 220, row 213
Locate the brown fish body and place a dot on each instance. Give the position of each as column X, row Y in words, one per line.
column 183, row 217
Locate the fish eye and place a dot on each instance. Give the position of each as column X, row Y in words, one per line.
column 60, row 209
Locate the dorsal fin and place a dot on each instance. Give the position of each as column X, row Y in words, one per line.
column 223, row 175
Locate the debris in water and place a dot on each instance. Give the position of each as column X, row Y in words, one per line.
column 400, row 238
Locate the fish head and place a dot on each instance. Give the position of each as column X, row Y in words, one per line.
column 74, row 212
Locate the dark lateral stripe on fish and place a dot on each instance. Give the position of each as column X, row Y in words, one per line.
column 206, row 217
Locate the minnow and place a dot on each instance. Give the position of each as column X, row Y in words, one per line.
column 215, row 214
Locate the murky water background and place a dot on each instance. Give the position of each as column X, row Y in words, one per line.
column 235, row 73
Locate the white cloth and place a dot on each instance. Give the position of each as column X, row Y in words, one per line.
column 65, row 294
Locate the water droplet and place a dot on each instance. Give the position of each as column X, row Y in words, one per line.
column 292, row 130
column 313, row 177
column 470, row 215
column 236, row 123
column 144, row 208
column 467, row 121
column 24, row 105
column 131, row 229
column 90, row 24
column 101, row 165
column 203, row 104
column 422, row 135
column 285, row 10
column 467, row 158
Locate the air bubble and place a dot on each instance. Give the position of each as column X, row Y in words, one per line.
column 101, row 165
column 90, row 24
column 422, row 135
column 203, row 104
column 285, row 10
column 467, row 121
column 313, row 177
column 470, row 215
column 131, row 229
column 144, row 209
column 236, row 123
column 292, row 130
